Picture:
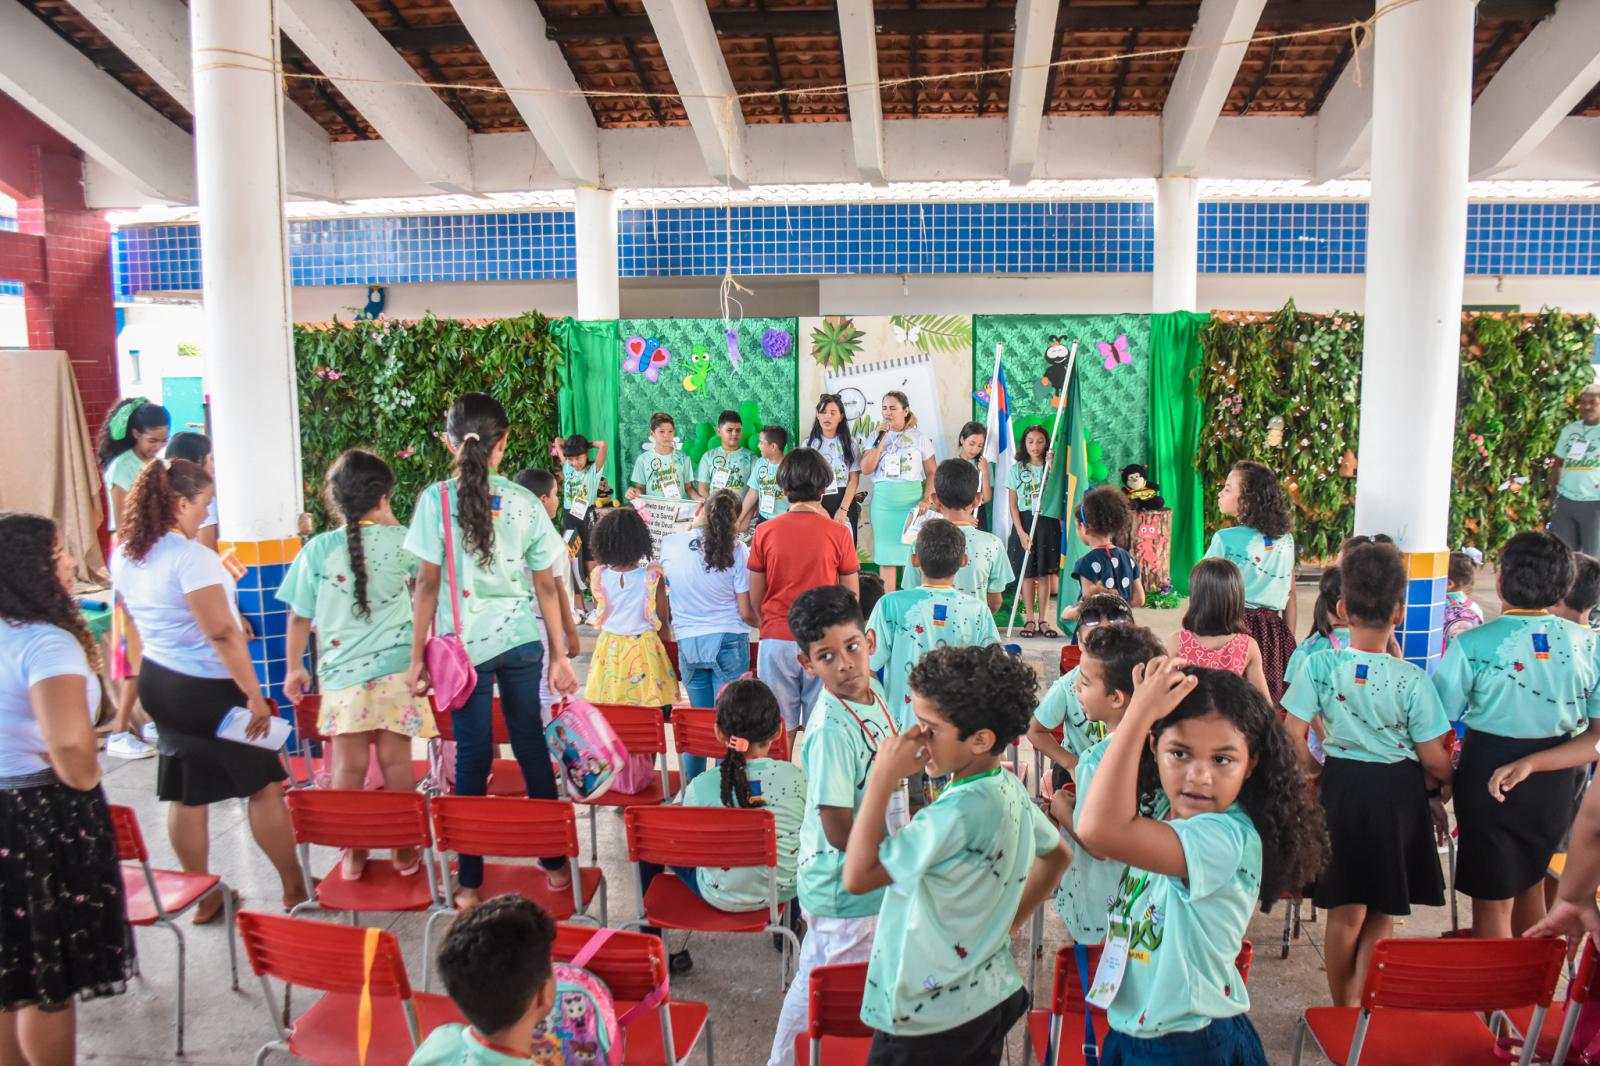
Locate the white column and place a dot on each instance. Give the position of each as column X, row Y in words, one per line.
column 238, row 130
column 599, row 287
column 1177, row 250
column 1416, row 255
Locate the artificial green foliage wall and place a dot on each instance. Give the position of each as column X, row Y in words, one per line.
column 385, row 387
column 1520, row 375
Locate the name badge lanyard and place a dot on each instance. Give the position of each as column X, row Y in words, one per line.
column 898, row 813
column 1114, row 959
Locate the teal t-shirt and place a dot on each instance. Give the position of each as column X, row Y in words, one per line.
column 652, row 471
column 770, row 500
column 988, row 568
column 1374, row 707
column 454, row 1045
column 776, row 786
column 497, row 602
column 581, row 487
column 121, row 472
column 1186, row 932
column 1339, row 638
column 321, row 586
column 1060, row 707
column 1027, row 481
column 1521, row 675
column 1090, row 885
column 1578, row 448
column 734, row 466
column 911, row 623
column 837, row 754
column 942, row 952
column 1266, row 563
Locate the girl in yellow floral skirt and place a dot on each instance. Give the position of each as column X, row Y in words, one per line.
column 630, row 663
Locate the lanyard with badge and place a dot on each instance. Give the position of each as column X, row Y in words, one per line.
column 898, row 813
column 667, row 477
column 768, row 494
column 1032, row 488
column 1114, row 959
column 578, row 498
column 897, row 465
column 721, row 472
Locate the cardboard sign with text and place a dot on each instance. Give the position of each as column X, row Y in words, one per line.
column 664, row 516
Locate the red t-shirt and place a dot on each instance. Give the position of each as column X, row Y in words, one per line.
column 798, row 551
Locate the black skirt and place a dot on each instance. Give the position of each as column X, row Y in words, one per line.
column 64, row 933
column 580, row 529
column 1505, row 847
column 831, row 502
column 196, row 767
column 1045, row 558
column 1384, row 853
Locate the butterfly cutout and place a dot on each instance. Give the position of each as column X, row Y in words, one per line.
column 982, row 396
column 646, row 357
column 1116, row 352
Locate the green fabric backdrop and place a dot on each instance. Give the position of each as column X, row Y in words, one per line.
column 1175, row 433
column 588, row 396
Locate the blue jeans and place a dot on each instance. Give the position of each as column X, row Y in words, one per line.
column 708, row 663
column 517, row 671
column 780, row 670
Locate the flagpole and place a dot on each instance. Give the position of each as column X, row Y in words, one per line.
column 1066, row 388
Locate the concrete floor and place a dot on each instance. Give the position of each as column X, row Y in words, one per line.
column 736, row 975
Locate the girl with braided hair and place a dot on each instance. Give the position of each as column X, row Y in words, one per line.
column 352, row 583
column 65, row 935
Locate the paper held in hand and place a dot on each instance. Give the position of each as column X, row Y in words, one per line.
column 914, row 523
column 664, row 516
column 233, row 725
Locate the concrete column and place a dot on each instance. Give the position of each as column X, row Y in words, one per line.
column 239, row 163
column 1177, row 249
column 1416, row 255
column 599, row 287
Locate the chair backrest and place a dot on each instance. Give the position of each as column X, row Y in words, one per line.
column 321, row 955
column 1067, row 995
column 498, row 732
column 632, row 965
column 836, row 1001
column 305, row 718
column 1463, row 975
column 1241, row 962
column 357, row 818
column 642, row 730
column 130, row 840
column 701, row 836
column 504, row 826
column 694, row 732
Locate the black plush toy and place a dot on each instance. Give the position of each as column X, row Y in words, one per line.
column 1144, row 493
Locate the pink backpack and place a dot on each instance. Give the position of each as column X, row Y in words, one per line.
column 584, row 1028
column 586, row 748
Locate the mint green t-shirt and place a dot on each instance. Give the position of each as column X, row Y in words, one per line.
column 497, row 601
column 1186, row 932
column 776, row 786
column 1374, row 707
column 652, row 471
column 837, row 754
column 1339, row 638
column 988, row 568
column 942, row 952
column 1521, row 675
column 1578, row 448
column 454, row 1045
column 121, row 473
column 770, row 500
column 579, row 486
column 1060, row 707
column 735, row 465
column 321, row 586
column 912, row 622
column 1027, row 481
column 1266, row 563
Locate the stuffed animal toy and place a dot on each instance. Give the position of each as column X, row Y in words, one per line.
column 1144, row 493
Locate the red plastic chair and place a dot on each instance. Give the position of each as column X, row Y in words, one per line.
column 721, row 837
column 634, row 967
column 510, row 827
column 353, row 818
column 159, row 897
column 835, row 1034
column 505, row 775
column 331, row 959
column 312, row 767
column 1422, row 1001
column 642, row 731
column 1555, row 1038
column 694, row 732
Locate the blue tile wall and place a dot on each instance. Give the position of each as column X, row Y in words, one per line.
column 1235, row 237
column 9, row 288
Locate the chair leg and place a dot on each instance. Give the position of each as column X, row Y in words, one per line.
column 1288, row 920
column 1300, row 1039
column 427, row 947
column 233, row 932
column 711, row 1051
column 604, row 920
column 181, row 967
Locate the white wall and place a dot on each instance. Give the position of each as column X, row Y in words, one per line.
column 155, row 331
column 477, row 299
column 13, row 323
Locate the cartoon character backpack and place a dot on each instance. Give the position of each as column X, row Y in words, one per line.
column 587, row 748
column 584, row 1029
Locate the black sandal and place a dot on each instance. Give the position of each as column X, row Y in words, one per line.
column 1030, row 629
column 1048, row 631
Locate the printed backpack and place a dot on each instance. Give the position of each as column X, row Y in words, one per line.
column 582, row 742
column 583, row 1028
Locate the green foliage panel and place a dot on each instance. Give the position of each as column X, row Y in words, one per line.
column 385, row 387
column 1116, row 402
column 699, row 353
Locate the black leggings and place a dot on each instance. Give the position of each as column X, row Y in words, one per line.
column 831, row 503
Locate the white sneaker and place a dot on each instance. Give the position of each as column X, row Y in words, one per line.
column 128, row 746
column 149, row 733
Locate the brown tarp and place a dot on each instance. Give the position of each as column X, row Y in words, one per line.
column 46, row 458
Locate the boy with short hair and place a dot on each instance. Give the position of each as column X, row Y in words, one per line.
column 662, row 470
column 849, row 725
column 496, row 965
column 1060, row 707
column 907, row 624
column 764, row 499
column 1584, row 595
column 726, row 466
column 987, row 571
column 580, row 491
column 968, row 872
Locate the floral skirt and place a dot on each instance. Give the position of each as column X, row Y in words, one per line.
column 64, row 933
column 632, row 670
column 382, row 703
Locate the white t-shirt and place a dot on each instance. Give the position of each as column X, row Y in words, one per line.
column 902, row 455
column 154, row 588
column 832, row 449
column 703, row 602
column 31, row 653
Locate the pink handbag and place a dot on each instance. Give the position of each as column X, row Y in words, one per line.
column 449, row 666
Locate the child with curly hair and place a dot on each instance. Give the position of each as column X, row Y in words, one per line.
column 1261, row 546
column 629, row 664
column 1104, row 518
